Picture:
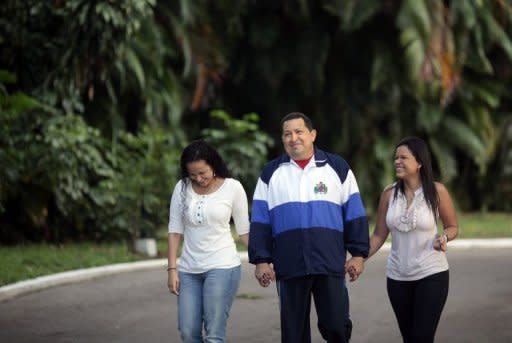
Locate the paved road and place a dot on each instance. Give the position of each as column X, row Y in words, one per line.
column 135, row 307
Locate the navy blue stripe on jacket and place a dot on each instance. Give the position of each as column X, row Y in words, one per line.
column 303, row 221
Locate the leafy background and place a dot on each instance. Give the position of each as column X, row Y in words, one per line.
column 98, row 98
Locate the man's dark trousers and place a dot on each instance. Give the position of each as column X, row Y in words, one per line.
column 331, row 302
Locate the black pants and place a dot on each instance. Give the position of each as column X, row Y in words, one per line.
column 418, row 305
column 332, row 307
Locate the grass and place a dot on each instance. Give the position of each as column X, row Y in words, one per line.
column 485, row 225
column 28, row 261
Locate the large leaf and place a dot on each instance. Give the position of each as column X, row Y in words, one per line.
column 7, row 77
column 488, row 91
column 463, row 137
column 135, row 66
column 429, row 117
column 415, row 51
column 414, row 14
column 444, row 156
column 498, row 34
column 357, row 12
column 20, row 102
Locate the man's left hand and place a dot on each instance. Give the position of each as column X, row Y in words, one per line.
column 354, row 267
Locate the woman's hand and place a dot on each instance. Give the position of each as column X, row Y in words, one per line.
column 440, row 243
column 173, row 282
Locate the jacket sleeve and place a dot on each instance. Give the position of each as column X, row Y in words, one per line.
column 356, row 231
column 260, row 234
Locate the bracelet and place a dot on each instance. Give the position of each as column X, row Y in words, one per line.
column 171, row 268
column 445, row 237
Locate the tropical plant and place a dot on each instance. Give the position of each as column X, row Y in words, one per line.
column 106, row 91
column 94, row 58
column 52, row 164
column 61, row 179
column 147, row 168
column 241, row 143
column 370, row 72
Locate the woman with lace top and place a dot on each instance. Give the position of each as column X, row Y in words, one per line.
column 417, row 268
column 207, row 276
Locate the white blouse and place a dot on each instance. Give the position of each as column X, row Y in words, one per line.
column 204, row 222
column 413, row 231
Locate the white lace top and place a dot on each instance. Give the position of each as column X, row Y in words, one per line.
column 413, row 231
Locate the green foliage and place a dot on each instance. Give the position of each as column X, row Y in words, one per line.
column 147, row 168
column 84, row 74
column 11, row 128
column 367, row 72
column 354, row 12
column 242, row 145
column 98, row 58
column 61, row 179
column 75, row 184
column 58, row 161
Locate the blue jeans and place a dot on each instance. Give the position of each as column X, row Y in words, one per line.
column 205, row 299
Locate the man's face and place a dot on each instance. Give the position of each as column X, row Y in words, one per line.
column 297, row 139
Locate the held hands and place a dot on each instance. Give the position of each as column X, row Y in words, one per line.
column 440, row 243
column 354, row 267
column 173, row 282
column 264, row 274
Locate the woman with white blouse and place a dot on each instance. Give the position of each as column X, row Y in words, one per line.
column 207, row 276
column 417, row 268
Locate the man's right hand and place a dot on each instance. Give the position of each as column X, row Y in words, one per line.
column 264, row 273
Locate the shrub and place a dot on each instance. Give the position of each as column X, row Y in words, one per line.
column 242, row 144
column 60, row 179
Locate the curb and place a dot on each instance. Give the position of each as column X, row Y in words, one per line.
column 28, row 286
column 42, row 282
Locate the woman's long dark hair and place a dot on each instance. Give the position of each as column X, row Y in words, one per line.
column 200, row 150
column 196, row 151
column 420, row 151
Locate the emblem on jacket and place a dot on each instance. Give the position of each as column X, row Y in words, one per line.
column 320, row 188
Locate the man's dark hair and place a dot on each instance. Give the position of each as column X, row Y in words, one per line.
column 298, row 115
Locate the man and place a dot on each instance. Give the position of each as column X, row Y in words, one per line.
column 307, row 212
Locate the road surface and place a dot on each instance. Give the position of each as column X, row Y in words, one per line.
column 135, row 307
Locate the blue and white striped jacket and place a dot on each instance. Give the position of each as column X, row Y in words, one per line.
column 304, row 220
